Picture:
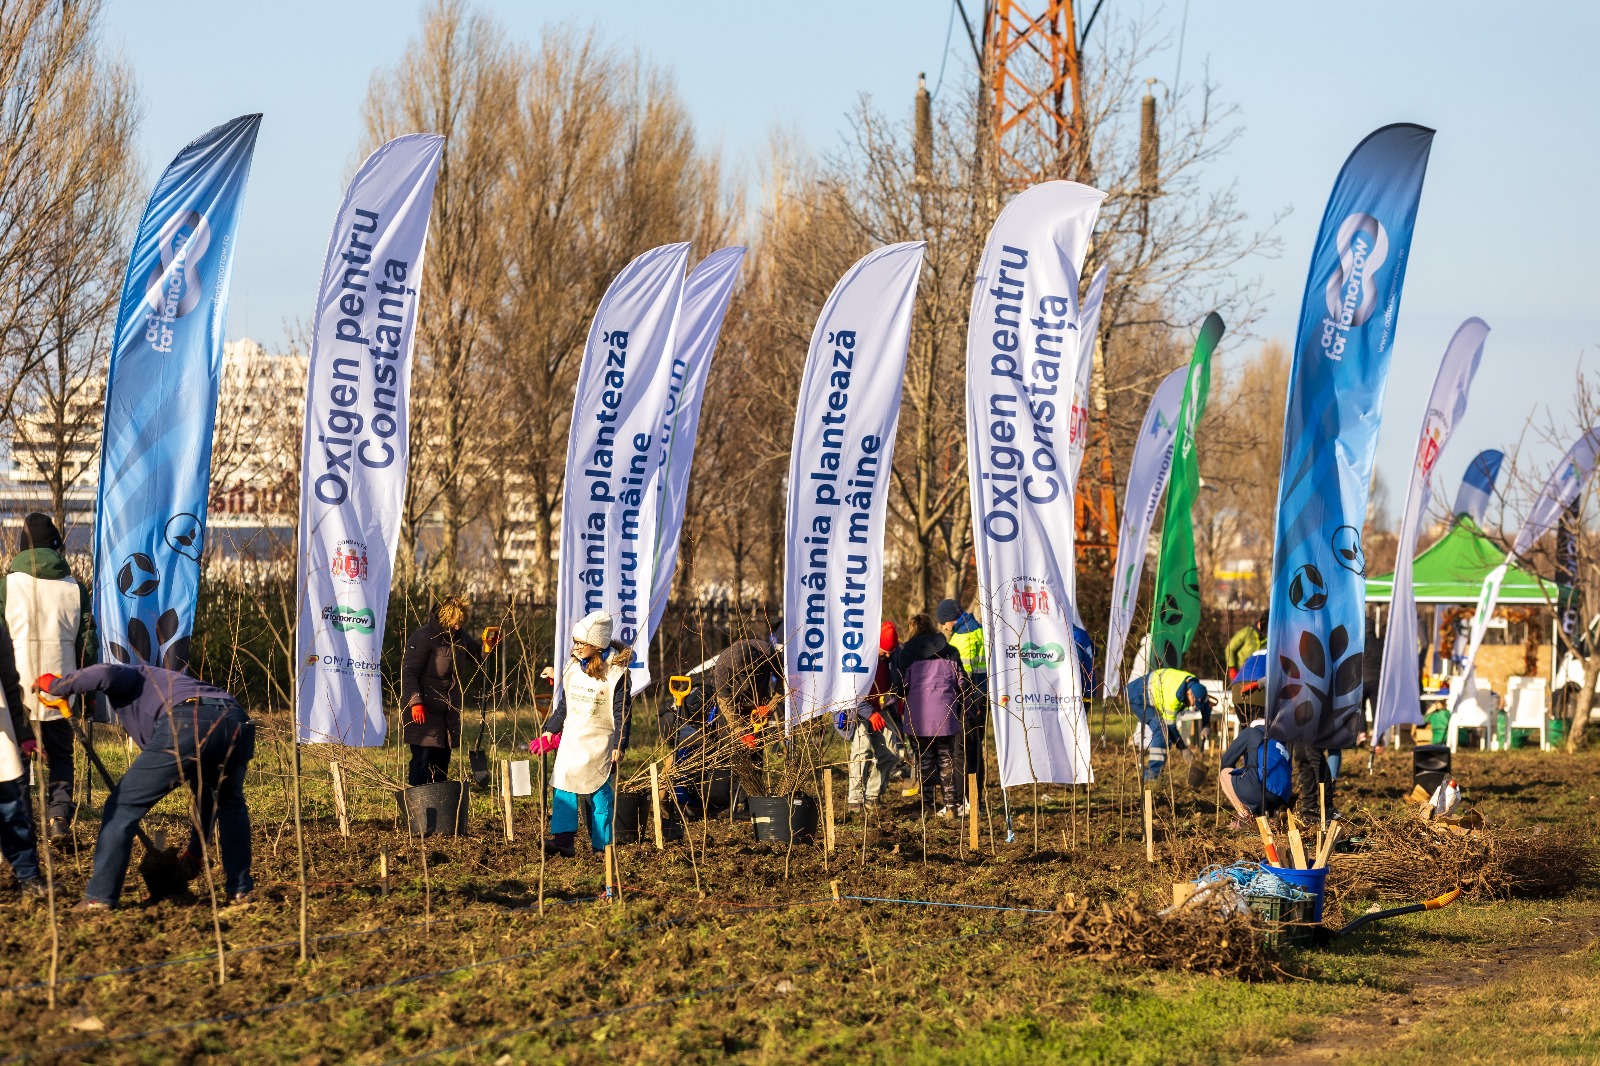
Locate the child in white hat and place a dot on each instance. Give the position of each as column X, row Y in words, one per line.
column 588, row 731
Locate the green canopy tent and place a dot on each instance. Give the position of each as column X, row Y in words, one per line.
column 1453, row 569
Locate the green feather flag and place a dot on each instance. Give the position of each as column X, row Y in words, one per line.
column 1177, row 614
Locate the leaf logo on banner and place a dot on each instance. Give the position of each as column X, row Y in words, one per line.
column 1306, row 684
column 1307, row 590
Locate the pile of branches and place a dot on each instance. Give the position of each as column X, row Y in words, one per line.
column 1194, row 940
column 1407, row 860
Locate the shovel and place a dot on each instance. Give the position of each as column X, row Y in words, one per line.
column 1377, row 916
column 163, row 874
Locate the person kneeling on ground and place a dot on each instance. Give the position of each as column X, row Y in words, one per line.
column 1255, row 774
column 188, row 732
column 17, row 840
column 1157, row 699
column 588, row 730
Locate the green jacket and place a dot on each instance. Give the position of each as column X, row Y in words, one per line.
column 47, row 564
column 1244, row 644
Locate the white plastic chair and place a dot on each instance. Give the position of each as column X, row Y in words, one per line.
column 1223, row 720
column 1527, row 707
column 1474, row 710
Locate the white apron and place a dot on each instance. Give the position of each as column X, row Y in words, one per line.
column 43, row 616
column 10, row 755
column 583, row 761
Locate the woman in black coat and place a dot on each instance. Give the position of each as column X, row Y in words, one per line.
column 438, row 663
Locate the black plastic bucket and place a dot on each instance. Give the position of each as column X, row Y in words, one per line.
column 632, row 817
column 780, row 819
column 435, row 809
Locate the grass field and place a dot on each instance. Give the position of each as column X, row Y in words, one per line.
column 726, row 948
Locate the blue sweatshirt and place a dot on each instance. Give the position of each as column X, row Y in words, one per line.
column 139, row 694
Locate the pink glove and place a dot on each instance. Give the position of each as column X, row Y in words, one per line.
column 30, row 748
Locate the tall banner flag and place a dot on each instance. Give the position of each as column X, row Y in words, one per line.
column 844, row 428
column 1088, row 332
column 1560, row 492
column 1089, row 329
column 609, row 504
column 1177, row 599
column 705, row 302
column 161, row 401
column 1477, row 485
column 1330, row 431
column 1399, row 688
column 356, row 445
column 1022, row 354
column 1147, row 483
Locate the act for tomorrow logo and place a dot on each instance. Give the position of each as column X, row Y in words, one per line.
column 1352, row 292
column 172, row 288
column 1050, row 656
column 344, row 619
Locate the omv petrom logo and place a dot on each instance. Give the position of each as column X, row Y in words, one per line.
column 1352, row 291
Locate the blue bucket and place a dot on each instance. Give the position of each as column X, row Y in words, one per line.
column 1313, row 881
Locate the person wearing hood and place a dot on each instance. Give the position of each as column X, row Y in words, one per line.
column 745, row 683
column 872, row 761
column 940, row 700
column 49, row 614
column 437, row 665
column 965, row 634
column 588, row 731
column 1256, row 774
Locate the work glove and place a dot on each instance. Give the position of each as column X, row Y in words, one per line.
column 418, row 715
column 1205, row 733
column 877, row 722
column 29, row 747
column 749, row 741
column 44, row 682
column 841, row 719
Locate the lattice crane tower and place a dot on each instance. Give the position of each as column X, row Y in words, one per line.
column 1035, row 103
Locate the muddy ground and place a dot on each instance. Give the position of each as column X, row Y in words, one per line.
column 720, row 946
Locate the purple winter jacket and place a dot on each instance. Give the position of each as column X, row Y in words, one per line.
column 937, row 691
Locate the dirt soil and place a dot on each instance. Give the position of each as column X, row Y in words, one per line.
column 722, row 947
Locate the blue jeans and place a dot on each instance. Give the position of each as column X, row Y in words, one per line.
column 207, row 746
column 596, row 810
column 16, row 829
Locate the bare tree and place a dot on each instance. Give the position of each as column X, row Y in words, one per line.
column 458, row 79
column 68, row 117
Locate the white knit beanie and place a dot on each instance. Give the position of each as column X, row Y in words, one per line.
column 594, row 629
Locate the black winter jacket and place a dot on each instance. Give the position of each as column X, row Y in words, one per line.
column 438, row 666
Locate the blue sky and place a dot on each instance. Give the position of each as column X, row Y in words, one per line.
column 1506, row 229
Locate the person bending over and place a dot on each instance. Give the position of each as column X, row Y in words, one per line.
column 1157, row 699
column 1255, row 775
column 187, row 732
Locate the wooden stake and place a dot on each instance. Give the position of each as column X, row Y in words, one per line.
column 835, row 886
column 972, row 812
column 827, row 817
column 1149, row 826
column 505, row 798
column 338, row 799
column 1325, row 852
column 1266, row 840
column 1322, row 803
column 610, row 882
column 655, row 804
column 383, row 871
column 1297, row 846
